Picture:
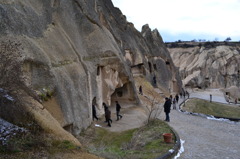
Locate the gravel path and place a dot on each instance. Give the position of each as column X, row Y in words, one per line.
column 217, row 96
column 204, row 138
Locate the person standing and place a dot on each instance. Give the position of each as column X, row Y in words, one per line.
column 210, row 98
column 118, row 107
column 171, row 98
column 94, row 113
column 108, row 116
column 167, row 107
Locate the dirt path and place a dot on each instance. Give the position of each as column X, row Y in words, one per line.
column 203, row 138
column 133, row 117
column 206, row 138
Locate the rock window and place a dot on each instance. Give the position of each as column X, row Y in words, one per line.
column 98, row 70
column 68, row 128
column 167, row 63
column 119, row 93
column 150, row 67
column 155, row 66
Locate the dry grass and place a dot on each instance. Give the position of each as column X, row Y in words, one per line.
column 148, row 90
column 145, row 142
column 211, row 108
column 41, row 146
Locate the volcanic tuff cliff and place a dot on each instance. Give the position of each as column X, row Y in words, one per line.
column 207, row 65
column 60, row 56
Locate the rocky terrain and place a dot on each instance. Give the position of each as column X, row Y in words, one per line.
column 208, row 64
column 57, row 57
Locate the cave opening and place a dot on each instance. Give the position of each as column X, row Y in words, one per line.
column 150, row 67
column 124, row 94
column 167, row 63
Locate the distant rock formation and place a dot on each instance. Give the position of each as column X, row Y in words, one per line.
column 207, row 65
column 58, row 57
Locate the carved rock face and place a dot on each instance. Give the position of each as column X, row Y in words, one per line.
column 208, row 67
column 75, row 51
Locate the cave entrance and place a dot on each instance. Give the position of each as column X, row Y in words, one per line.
column 68, row 128
column 124, row 94
column 138, row 69
column 174, row 86
column 150, row 67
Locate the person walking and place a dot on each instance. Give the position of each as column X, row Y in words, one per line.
column 174, row 103
column 180, row 94
column 140, row 90
column 108, row 116
column 187, row 93
column 177, row 98
column 94, row 113
column 184, row 94
column 167, row 107
column 118, row 107
column 105, row 109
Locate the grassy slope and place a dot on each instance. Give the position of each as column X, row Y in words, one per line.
column 29, row 146
column 145, row 142
column 211, row 108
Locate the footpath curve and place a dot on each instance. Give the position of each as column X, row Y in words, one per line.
column 206, row 138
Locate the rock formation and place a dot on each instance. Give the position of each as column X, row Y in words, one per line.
column 207, row 65
column 57, row 57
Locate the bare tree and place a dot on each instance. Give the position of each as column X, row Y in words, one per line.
column 154, row 107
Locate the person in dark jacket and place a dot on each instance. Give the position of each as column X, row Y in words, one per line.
column 140, row 90
column 108, row 116
column 105, row 108
column 177, row 97
column 118, row 107
column 94, row 113
column 167, row 107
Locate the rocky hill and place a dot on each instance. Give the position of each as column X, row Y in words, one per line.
column 57, row 57
column 207, row 64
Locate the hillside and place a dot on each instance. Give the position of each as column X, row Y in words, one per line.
column 207, row 64
column 59, row 57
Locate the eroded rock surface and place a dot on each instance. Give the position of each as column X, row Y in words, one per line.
column 60, row 56
column 207, row 65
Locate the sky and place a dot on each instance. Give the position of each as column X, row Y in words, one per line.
column 185, row 19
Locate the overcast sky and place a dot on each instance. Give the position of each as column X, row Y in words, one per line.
column 185, row 19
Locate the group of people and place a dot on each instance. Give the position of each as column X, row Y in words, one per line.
column 184, row 94
column 173, row 101
column 107, row 113
column 167, row 105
